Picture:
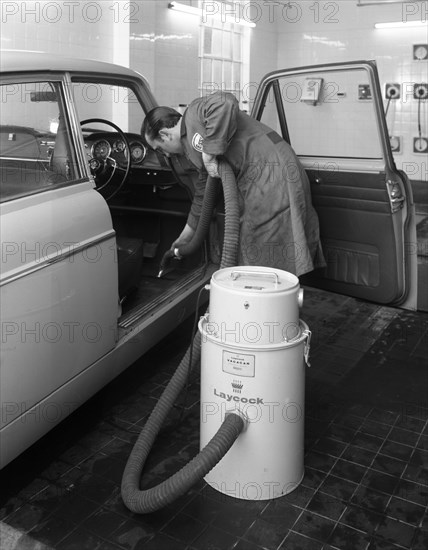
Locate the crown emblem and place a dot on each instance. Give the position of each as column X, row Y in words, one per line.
column 237, row 386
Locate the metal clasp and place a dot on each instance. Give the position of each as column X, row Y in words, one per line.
column 396, row 199
column 307, row 348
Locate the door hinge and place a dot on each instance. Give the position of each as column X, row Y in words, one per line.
column 396, row 198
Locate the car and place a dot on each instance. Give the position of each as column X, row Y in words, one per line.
column 87, row 212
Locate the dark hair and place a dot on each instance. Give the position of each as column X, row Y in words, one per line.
column 158, row 118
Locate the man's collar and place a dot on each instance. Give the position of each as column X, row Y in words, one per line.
column 183, row 131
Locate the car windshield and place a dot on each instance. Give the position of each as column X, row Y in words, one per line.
column 112, row 102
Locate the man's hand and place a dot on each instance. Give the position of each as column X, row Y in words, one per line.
column 211, row 165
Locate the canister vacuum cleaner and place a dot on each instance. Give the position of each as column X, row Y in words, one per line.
column 253, row 348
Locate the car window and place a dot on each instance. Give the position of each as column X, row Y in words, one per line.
column 112, row 102
column 36, row 152
column 328, row 114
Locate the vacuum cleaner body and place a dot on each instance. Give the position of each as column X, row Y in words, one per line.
column 254, row 349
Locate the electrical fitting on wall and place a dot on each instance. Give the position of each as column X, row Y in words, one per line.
column 420, row 52
column 420, row 91
column 364, row 92
column 311, row 90
column 392, row 91
column 395, row 142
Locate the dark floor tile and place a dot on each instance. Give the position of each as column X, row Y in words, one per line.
column 419, row 458
column 370, row 499
column 340, row 432
column 313, row 478
column 420, row 540
column 329, row 446
column 267, row 533
column 203, row 508
column 27, row 517
column 296, row 541
column 380, row 482
column 75, row 455
column 299, row 497
column 367, row 441
column 406, row 511
column 338, row 487
column 125, row 534
column 372, row 427
column 214, row 539
column 278, row 511
column 361, row 456
column 319, row 461
column 246, row 545
column 76, row 508
column 396, row 450
column 396, row 532
column 414, row 492
column 349, row 421
column 314, row 526
column 50, row 498
column 160, row 542
column 408, row 421
column 380, row 544
column 55, row 470
column 346, row 538
column 103, row 522
column 231, row 520
column 80, row 539
column 388, row 465
column 403, row 436
column 348, row 470
column 384, row 416
column 95, row 488
column 326, row 506
column 423, row 442
column 363, row 519
column 184, row 528
column 52, row 530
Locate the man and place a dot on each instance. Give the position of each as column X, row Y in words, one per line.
column 279, row 226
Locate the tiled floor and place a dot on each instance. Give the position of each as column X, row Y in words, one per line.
column 366, row 463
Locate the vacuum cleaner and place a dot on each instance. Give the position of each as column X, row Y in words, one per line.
column 253, row 349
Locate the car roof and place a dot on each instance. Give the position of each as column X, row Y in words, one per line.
column 15, row 61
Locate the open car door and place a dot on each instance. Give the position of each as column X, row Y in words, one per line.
column 333, row 117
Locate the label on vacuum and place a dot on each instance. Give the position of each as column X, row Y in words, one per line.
column 239, row 364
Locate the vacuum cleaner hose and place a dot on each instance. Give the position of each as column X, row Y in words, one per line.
column 210, row 198
column 150, row 500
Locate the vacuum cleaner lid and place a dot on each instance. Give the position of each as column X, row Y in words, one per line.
column 255, row 279
column 254, row 303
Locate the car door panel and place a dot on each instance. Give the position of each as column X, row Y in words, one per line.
column 59, row 279
column 56, row 312
column 364, row 205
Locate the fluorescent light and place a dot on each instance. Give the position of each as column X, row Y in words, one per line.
column 218, row 14
column 400, row 24
column 185, row 8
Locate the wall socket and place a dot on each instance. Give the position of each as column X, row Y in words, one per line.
column 395, row 142
column 420, row 145
column 392, row 91
column 420, row 91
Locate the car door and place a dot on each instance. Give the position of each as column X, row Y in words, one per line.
column 333, row 117
column 59, row 295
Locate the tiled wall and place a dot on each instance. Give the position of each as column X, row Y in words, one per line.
column 164, row 46
column 323, row 32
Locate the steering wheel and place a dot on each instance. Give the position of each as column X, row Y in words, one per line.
column 104, row 170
